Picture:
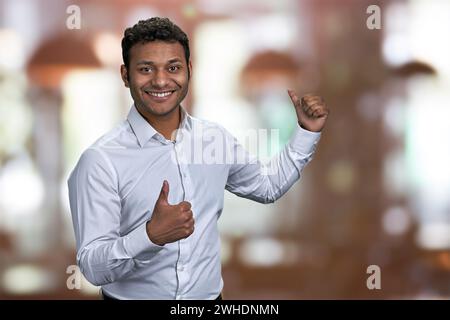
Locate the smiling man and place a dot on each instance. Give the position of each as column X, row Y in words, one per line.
column 135, row 237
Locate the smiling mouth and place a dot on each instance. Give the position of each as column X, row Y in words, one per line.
column 159, row 94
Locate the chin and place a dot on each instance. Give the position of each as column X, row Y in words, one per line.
column 160, row 110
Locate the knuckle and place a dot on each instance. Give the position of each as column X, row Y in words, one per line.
column 185, row 206
column 187, row 215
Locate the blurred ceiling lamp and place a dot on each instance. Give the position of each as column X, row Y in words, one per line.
column 413, row 68
column 268, row 66
column 274, row 70
column 59, row 55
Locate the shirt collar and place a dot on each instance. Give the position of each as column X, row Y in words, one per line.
column 144, row 130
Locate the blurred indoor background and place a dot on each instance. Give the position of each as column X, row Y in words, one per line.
column 377, row 192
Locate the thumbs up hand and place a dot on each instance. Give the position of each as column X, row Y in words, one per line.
column 312, row 112
column 169, row 223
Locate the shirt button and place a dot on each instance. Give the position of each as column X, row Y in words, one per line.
column 180, row 268
column 178, row 297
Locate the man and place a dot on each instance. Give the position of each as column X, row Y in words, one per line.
column 145, row 215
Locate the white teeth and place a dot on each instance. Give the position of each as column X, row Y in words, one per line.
column 160, row 95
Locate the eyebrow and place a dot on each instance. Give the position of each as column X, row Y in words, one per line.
column 147, row 62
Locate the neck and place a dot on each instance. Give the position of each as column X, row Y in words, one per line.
column 165, row 124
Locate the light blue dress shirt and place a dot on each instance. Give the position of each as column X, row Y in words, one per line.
column 116, row 182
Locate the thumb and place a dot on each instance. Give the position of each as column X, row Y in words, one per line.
column 297, row 104
column 164, row 194
column 295, row 100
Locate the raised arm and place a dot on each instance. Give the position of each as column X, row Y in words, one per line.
column 266, row 183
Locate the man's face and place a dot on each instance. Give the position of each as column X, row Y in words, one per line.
column 157, row 77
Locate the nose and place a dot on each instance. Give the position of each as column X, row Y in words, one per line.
column 160, row 79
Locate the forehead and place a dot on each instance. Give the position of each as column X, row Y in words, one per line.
column 157, row 51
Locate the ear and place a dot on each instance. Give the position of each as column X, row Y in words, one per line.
column 124, row 75
column 190, row 69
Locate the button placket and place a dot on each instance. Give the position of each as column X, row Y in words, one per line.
column 183, row 244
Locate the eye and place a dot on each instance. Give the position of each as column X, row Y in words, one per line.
column 145, row 69
column 174, row 68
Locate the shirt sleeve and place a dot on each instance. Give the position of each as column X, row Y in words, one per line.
column 265, row 183
column 103, row 254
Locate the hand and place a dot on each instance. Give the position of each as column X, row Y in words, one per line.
column 169, row 223
column 312, row 113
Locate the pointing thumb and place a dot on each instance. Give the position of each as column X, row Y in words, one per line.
column 295, row 100
column 164, row 195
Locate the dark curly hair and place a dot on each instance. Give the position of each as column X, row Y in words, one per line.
column 152, row 29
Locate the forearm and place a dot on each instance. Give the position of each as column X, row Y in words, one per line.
column 266, row 183
column 107, row 260
column 99, row 267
